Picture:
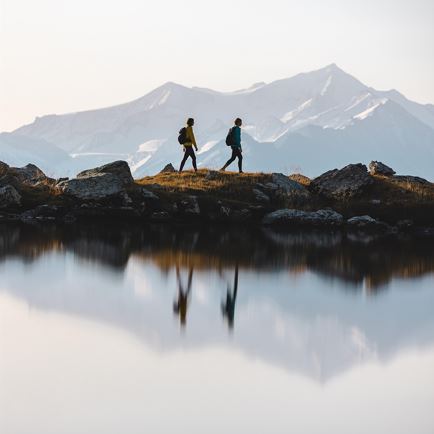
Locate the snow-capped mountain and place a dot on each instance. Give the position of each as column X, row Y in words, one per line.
column 310, row 123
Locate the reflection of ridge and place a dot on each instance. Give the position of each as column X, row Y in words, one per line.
column 327, row 253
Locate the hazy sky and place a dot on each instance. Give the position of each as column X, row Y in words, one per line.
column 58, row 56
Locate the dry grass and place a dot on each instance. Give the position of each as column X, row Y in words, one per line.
column 228, row 184
column 301, row 179
column 404, row 189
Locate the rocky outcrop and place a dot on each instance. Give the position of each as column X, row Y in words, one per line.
column 343, row 184
column 168, row 168
column 301, row 179
column 9, row 197
column 118, row 169
column 99, row 183
column 283, row 189
column 29, row 175
column 365, row 222
column 379, row 168
column 323, row 217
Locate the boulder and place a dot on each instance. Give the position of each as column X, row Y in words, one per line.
column 323, row 217
column 9, row 197
column 366, row 222
column 30, row 175
column 343, row 184
column 168, row 168
column 288, row 189
column 99, row 183
column 119, row 169
column 379, row 168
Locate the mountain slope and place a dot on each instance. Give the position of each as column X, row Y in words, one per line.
column 312, row 120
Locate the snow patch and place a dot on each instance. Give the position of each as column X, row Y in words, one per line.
column 207, row 146
column 326, row 86
column 371, row 110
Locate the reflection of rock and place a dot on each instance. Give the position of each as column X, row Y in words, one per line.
column 304, row 239
column 365, row 222
column 323, row 217
column 343, row 184
column 189, row 206
column 379, row 168
column 98, row 183
column 9, row 197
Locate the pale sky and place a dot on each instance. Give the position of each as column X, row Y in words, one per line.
column 59, row 56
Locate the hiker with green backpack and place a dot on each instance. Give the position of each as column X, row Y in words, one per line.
column 233, row 140
column 187, row 140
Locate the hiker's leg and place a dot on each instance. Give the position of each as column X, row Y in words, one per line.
column 240, row 161
column 183, row 160
column 234, row 155
column 193, row 158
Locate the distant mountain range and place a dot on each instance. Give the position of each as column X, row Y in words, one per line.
column 308, row 123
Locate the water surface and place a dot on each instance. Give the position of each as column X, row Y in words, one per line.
column 161, row 330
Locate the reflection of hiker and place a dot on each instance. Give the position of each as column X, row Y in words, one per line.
column 228, row 308
column 181, row 304
column 233, row 140
column 187, row 139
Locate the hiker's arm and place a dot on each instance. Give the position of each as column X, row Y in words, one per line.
column 238, row 137
column 191, row 137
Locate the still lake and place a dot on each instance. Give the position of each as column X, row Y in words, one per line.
column 163, row 330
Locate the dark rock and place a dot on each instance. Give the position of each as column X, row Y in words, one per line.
column 168, row 168
column 148, row 195
column 120, row 169
column 189, row 206
column 9, row 197
column 323, row 217
column 404, row 224
column 343, row 184
column 62, row 179
column 4, row 168
column 366, row 223
column 379, row 168
column 48, row 212
column 160, row 216
column 260, row 196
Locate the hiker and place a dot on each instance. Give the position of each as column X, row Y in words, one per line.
column 180, row 306
column 187, row 139
column 233, row 140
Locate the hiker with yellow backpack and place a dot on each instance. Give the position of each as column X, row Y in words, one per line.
column 188, row 141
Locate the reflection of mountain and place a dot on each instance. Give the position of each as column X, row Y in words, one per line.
column 291, row 308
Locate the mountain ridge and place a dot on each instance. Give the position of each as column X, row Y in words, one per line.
column 278, row 112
